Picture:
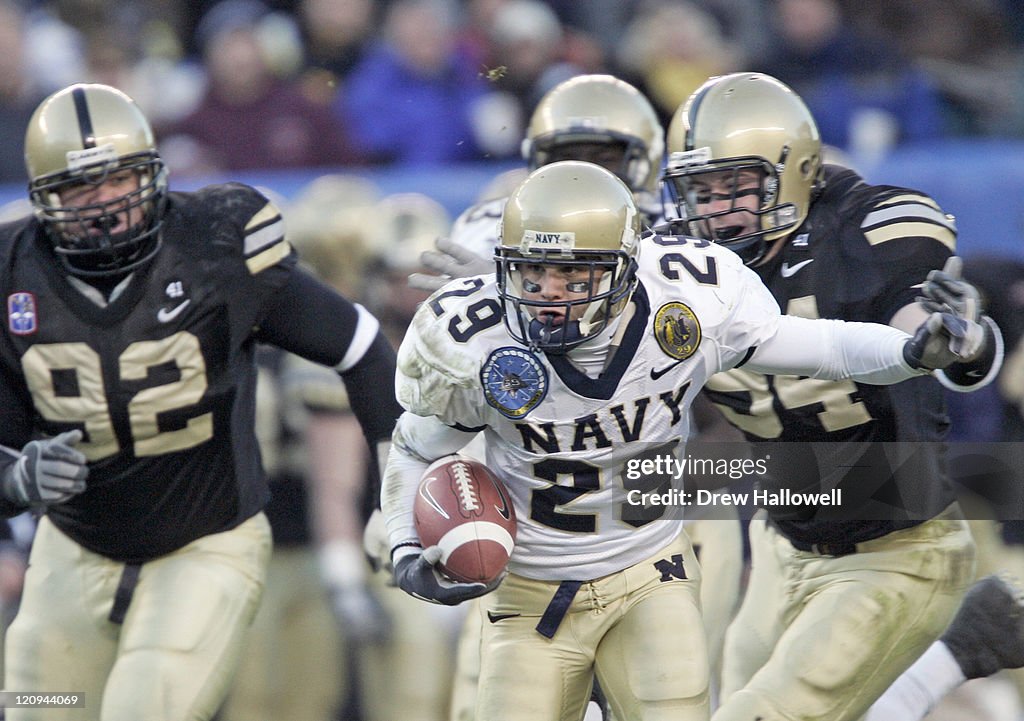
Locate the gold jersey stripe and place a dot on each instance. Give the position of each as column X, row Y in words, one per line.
column 909, row 198
column 266, row 213
column 268, row 257
column 904, row 230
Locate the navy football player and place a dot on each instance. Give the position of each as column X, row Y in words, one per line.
column 604, row 120
column 552, row 359
column 127, row 384
column 837, row 606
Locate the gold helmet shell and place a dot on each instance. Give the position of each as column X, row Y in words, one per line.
column 79, row 136
column 746, row 121
column 599, row 109
column 568, row 213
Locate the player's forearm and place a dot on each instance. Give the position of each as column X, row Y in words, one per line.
column 833, row 350
column 417, row 442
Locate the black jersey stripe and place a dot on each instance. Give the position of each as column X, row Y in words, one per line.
column 84, row 118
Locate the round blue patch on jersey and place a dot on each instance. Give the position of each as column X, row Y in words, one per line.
column 514, row 381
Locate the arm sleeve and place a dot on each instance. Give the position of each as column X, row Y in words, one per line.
column 418, row 441
column 834, row 349
column 310, row 319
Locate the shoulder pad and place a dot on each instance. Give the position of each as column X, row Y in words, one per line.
column 242, row 217
column 477, row 228
column 902, row 213
column 434, row 369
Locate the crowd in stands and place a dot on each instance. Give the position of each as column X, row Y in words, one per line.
column 244, row 84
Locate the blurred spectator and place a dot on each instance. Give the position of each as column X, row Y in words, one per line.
column 970, row 47
column 18, row 95
column 529, row 53
column 53, row 48
column 864, row 93
column 250, row 118
column 336, row 34
column 670, row 49
column 413, row 98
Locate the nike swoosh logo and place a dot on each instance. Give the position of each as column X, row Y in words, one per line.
column 656, row 374
column 495, row 617
column 503, row 509
column 166, row 316
column 788, row 270
column 975, row 374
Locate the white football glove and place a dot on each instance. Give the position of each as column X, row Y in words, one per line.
column 452, row 261
column 47, row 472
column 359, row 612
column 376, row 545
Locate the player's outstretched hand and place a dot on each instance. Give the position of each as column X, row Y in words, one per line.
column 953, row 333
column 417, row 575
column 946, row 291
column 48, row 471
column 451, row 261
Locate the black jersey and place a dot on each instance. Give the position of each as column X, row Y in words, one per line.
column 860, row 255
column 161, row 380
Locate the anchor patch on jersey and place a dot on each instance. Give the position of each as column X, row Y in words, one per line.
column 22, row 317
column 514, row 381
column 677, row 330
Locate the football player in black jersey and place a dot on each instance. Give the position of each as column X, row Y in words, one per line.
column 840, row 601
column 127, row 384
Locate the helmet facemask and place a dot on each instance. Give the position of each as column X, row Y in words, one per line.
column 82, row 235
column 624, row 155
column 97, row 183
column 743, row 127
column 558, row 326
column 693, row 188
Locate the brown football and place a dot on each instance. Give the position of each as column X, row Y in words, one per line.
column 463, row 508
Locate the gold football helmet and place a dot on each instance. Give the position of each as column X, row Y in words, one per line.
column 603, row 111
column 737, row 122
column 569, row 214
column 80, row 136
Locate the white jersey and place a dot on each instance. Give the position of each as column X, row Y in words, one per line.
column 561, row 440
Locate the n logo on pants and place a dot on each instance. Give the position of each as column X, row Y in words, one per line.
column 671, row 569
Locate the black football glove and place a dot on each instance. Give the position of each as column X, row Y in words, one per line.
column 48, row 471
column 451, row 261
column 417, row 575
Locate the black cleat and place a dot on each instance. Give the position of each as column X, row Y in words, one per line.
column 987, row 633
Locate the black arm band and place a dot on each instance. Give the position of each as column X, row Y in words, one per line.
column 976, row 374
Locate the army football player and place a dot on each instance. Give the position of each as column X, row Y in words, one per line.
column 836, row 608
column 552, row 360
column 127, row 383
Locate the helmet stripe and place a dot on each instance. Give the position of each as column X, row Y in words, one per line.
column 84, row 119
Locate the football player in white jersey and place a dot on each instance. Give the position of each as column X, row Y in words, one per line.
column 581, row 355
column 604, row 120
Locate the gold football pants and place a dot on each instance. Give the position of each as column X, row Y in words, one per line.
column 172, row 657
column 639, row 629
column 821, row 637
